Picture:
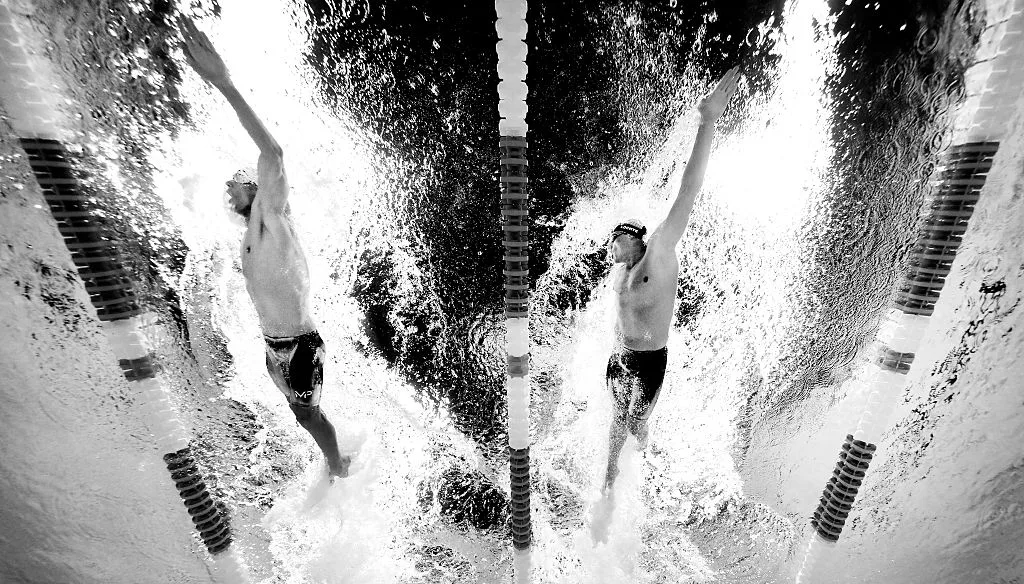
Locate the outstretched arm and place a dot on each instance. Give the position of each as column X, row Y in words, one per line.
column 711, row 107
column 205, row 60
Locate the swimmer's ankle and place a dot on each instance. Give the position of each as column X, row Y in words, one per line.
column 642, row 436
column 608, row 489
column 340, row 469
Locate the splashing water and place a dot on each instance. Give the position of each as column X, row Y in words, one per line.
column 682, row 512
column 742, row 255
column 369, row 527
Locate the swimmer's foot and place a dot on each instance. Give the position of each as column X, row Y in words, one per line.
column 608, row 492
column 339, row 469
column 601, row 516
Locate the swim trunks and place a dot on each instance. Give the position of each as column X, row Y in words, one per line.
column 635, row 378
column 296, row 364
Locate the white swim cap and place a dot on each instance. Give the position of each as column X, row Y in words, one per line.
column 245, row 176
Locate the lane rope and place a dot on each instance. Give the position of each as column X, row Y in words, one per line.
column 515, row 203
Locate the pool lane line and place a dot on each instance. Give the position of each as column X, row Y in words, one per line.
column 956, row 190
column 515, row 204
column 31, row 100
column 122, row 318
column 960, row 179
column 931, row 260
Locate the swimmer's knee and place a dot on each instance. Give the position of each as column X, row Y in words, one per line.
column 620, row 420
column 305, row 414
column 636, row 425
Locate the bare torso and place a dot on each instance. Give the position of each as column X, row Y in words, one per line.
column 646, row 294
column 276, row 274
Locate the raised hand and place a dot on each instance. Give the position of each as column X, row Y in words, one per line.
column 713, row 104
column 200, row 53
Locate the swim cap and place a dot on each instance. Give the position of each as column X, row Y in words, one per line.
column 245, row 176
column 630, row 227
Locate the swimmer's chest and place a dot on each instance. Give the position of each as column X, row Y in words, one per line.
column 645, row 283
column 271, row 251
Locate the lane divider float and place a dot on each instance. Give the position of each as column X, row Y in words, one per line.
column 112, row 293
column 33, row 101
column 512, row 70
column 993, row 88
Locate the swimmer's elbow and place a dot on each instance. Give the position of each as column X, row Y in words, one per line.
column 272, row 155
column 270, row 166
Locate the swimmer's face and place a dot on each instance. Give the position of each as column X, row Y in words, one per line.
column 624, row 248
column 240, row 197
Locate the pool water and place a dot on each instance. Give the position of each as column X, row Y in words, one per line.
column 386, row 117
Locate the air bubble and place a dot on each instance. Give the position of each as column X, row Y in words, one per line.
column 927, row 40
column 940, row 141
column 753, row 36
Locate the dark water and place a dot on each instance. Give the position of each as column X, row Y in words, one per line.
column 901, row 71
column 422, row 76
column 605, row 81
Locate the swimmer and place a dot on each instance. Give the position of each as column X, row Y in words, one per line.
column 273, row 263
column 644, row 280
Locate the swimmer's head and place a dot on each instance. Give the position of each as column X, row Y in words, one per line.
column 626, row 242
column 241, row 191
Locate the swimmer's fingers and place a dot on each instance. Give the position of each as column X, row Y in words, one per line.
column 188, row 30
column 191, row 32
column 186, row 49
column 734, row 81
column 195, row 39
column 188, row 34
column 200, row 52
column 186, row 26
column 713, row 104
column 727, row 84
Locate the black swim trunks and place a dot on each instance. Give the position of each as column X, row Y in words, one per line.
column 635, row 378
column 296, row 364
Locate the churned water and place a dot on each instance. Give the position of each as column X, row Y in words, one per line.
column 386, row 117
column 742, row 278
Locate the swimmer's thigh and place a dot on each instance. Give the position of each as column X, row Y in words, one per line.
column 617, row 381
column 279, row 376
column 649, row 387
column 307, row 372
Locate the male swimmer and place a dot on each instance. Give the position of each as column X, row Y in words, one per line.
column 644, row 280
column 274, row 266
